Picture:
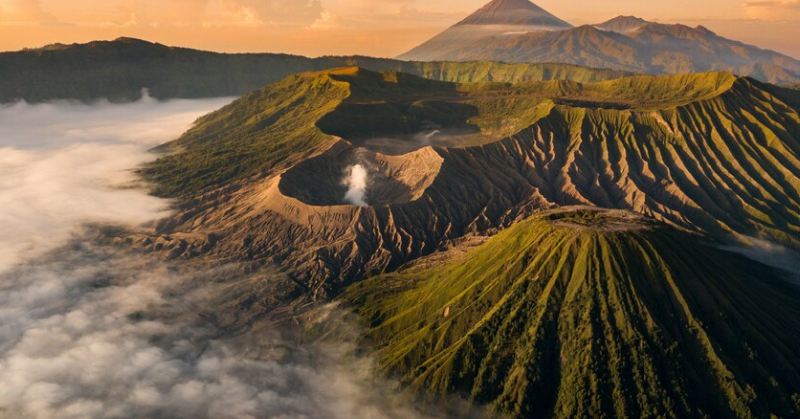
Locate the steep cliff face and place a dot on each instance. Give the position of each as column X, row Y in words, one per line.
column 265, row 178
column 581, row 312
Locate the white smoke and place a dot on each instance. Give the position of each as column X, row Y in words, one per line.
column 426, row 138
column 771, row 254
column 356, row 182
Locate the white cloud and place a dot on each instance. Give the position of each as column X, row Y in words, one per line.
column 90, row 331
column 64, row 164
column 327, row 20
column 23, row 12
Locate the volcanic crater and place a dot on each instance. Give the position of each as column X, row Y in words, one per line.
column 324, row 180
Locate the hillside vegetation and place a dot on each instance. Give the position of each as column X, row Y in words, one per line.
column 584, row 313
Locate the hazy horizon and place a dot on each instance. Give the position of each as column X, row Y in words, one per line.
column 383, row 28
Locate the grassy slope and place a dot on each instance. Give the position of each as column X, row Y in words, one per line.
column 726, row 163
column 550, row 320
column 260, row 132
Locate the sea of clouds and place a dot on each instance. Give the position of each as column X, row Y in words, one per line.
column 90, row 330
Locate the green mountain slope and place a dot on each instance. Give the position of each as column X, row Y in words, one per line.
column 583, row 313
column 119, row 70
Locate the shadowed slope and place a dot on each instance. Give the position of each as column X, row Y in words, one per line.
column 725, row 165
column 590, row 313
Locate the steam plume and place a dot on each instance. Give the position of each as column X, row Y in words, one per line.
column 426, row 138
column 356, row 182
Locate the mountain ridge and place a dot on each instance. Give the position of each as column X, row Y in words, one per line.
column 118, row 71
column 622, row 24
column 623, row 43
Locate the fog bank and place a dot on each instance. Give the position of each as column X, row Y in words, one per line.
column 93, row 331
column 63, row 164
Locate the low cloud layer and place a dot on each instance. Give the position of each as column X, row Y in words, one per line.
column 96, row 333
column 89, row 329
column 65, row 164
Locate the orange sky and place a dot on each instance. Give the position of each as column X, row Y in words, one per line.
column 370, row 27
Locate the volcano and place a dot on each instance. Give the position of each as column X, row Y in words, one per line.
column 500, row 18
column 710, row 153
column 514, row 12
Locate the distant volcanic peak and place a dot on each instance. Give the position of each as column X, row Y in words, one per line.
column 623, row 24
column 514, row 12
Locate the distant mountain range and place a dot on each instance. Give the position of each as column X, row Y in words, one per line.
column 520, row 31
column 118, row 70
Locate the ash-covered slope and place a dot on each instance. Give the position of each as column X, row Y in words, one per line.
column 591, row 313
column 499, row 18
column 623, row 43
column 265, row 178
